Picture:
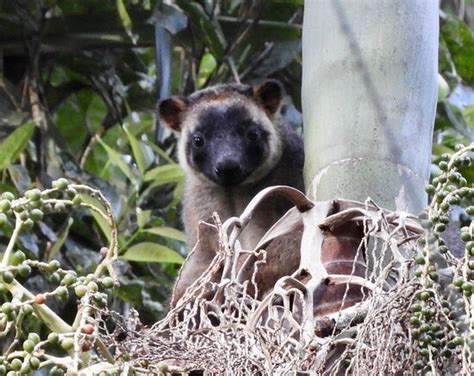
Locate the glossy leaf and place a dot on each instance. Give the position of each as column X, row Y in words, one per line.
column 152, row 252
column 167, row 232
column 124, row 16
column 14, row 144
column 170, row 173
column 209, row 31
column 117, row 159
column 137, row 150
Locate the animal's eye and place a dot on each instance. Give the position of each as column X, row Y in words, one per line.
column 198, row 141
column 253, row 134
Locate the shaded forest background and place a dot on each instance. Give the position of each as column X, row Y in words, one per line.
column 79, row 82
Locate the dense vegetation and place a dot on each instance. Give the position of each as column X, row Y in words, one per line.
column 79, row 81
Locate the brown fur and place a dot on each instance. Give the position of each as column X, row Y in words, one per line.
column 203, row 197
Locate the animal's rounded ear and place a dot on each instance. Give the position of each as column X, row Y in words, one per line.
column 269, row 94
column 171, row 111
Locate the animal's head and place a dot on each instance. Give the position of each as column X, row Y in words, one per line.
column 228, row 134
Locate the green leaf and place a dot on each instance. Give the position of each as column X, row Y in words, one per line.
column 137, row 150
column 116, row 158
column 96, row 111
column 167, row 232
column 208, row 31
column 170, row 173
column 15, row 143
column 206, row 67
column 124, row 16
column 101, row 221
column 143, row 217
column 459, row 39
column 152, row 252
column 468, row 114
column 159, row 151
column 61, row 239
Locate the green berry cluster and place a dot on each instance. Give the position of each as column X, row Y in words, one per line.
column 434, row 318
column 31, row 208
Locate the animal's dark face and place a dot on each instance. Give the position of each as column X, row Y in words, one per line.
column 228, row 133
column 227, row 144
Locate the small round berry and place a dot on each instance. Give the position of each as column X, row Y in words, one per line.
column 24, row 215
column 8, row 277
column 3, row 220
column 27, row 309
column 164, row 368
column 59, row 207
column 458, row 281
column 28, row 346
column 54, row 265
column 92, row 286
column 107, row 282
column 67, row 344
column 443, row 165
column 444, row 206
column 8, row 196
column 88, row 329
column 466, row 236
column 56, row 371
column 33, row 194
column 7, row 308
column 24, row 270
column 34, row 337
column 53, row 338
column 430, row 189
column 5, row 206
column 425, row 295
column 18, row 257
column 54, row 278
column 40, row 299
column 77, row 200
column 15, row 364
column 80, row 290
column 440, row 227
column 420, row 260
column 71, row 193
column 454, row 200
column 60, row 184
column 28, row 224
column 416, row 307
column 36, row 215
column 424, row 352
column 34, row 362
column 62, row 293
column 68, row 279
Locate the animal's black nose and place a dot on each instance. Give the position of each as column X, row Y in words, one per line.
column 228, row 172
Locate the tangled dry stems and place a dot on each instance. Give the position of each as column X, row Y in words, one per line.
column 218, row 327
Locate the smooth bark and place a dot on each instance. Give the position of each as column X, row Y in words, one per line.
column 369, row 99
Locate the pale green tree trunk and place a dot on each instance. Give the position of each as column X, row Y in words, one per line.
column 369, row 99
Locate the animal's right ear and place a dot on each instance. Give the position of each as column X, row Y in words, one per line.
column 171, row 111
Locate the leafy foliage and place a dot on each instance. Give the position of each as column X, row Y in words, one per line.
column 77, row 99
column 78, row 87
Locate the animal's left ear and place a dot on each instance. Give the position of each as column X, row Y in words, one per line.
column 269, row 94
column 171, row 111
